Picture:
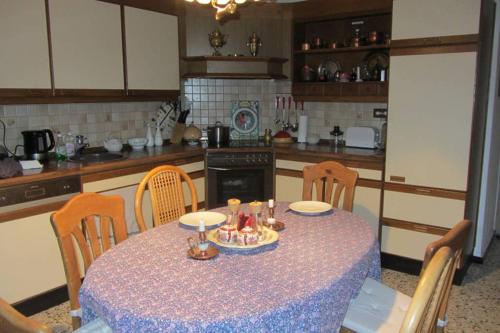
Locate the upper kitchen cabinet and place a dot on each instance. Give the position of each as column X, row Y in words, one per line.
column 87, row 44
column 24, row 59
column 152, row 50
column 431, row 18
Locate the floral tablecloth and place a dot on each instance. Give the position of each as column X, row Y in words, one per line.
column 303, row 284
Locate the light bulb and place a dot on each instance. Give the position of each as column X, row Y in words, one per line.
column 203, row 2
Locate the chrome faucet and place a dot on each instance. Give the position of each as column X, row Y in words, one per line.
column 81, row 143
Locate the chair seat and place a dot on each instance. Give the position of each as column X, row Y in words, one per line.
column 377, row 308
column 95, row 326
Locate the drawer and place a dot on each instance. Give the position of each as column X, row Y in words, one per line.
column 405, row 243
column 423, row 209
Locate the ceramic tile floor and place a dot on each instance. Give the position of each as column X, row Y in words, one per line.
column 474, row 307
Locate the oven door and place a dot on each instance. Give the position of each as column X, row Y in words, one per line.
column 247, row 183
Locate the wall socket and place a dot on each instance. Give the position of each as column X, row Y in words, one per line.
column 379, row 113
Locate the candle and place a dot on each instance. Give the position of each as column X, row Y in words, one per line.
column 271, row 203
column 271, row 220
column 201, row 227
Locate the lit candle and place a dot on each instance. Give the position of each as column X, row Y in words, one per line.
column 270, row 203
column 201, row 227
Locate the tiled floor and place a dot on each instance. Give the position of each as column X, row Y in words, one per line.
column 473, row 307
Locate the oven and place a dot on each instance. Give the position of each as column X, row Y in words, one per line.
column 244, row 174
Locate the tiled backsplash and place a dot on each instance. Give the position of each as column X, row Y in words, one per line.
column 96, row 121
column 211, row 100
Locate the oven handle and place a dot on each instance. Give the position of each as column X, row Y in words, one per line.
column 218, row 169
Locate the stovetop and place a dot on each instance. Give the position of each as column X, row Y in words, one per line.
column 243, row 145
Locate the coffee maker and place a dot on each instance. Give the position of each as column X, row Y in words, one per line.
column 37, row 144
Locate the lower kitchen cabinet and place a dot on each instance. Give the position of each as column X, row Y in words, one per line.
column 29, row 250
column 30, row 258
column 366, row 198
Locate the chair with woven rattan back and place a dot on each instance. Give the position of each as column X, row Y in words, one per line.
column 83, row 226
column 11, row 321
column 167, row 196
column 329, row 178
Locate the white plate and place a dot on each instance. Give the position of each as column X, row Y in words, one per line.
column 210, row 218
column 310, row 207
column 271, row 237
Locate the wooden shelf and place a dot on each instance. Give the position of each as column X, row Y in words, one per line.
column 228, row 67
column 345, row 49
column 361, row 92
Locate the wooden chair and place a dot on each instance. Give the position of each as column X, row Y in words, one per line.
column 325, row 175
column 395, row 302
column 11, row 321
column 167, row 197
column 454, row 239
column 76, row 224
column 379, row 308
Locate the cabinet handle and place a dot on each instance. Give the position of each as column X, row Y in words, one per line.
column 397, row 179
column 423, row 190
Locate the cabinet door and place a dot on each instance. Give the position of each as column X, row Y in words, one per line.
column 152, row 50
column 87, row 44
column 431, row 18
column 430, row 116
column 24, row 58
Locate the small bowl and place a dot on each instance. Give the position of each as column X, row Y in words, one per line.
column 137, row 143
column 313, row 139
column 113, row 145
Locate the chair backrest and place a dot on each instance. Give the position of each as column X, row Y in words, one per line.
column 167, row 197
column 83, row 225
column 455, row 240
column 11, row 321
column 422, row 314
column 330, row 178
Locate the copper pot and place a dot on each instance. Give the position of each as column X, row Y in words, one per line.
column 373, row 37
column 305, row 46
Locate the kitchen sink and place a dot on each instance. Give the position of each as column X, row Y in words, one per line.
column 96, row 157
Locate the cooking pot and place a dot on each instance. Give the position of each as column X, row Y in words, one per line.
column 218, row 135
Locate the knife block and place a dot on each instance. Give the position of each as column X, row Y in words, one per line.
column 177, row 133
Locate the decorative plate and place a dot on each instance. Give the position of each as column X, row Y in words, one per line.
column 245, row 120
column 270, row 237
column 327, row 69
column 210, row 218
column 310, row 207
column 374, row 59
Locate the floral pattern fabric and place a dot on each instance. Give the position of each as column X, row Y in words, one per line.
column 303, row 283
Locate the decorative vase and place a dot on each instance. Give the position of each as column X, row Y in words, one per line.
column 158, row 137
column 149, row 137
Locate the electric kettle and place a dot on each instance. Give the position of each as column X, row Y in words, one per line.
column 37, row 144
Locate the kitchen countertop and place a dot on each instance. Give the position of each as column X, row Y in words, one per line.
column 183, row 154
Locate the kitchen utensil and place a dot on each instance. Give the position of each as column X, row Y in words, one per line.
column 307, row 74
column 327, row 70
column 277, row 119
column 295, row 125
column 310, row 207
column 37, row 144
column 218, row 135
column 137, row 143
column 305, row 46
column 288, row 124
column 316, row 43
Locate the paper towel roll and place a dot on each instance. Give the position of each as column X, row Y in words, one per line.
column 302, row 136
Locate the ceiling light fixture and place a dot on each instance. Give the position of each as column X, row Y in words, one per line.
column 224, row 7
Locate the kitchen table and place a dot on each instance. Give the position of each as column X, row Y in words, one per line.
column 301, row 284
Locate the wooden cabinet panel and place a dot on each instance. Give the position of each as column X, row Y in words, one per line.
column 423, row 209
column 431, row 18
column 30, row 257
column 152, row 50
column 405, row 243
column 24, row 58
column 87, row 44
column 431, row 103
